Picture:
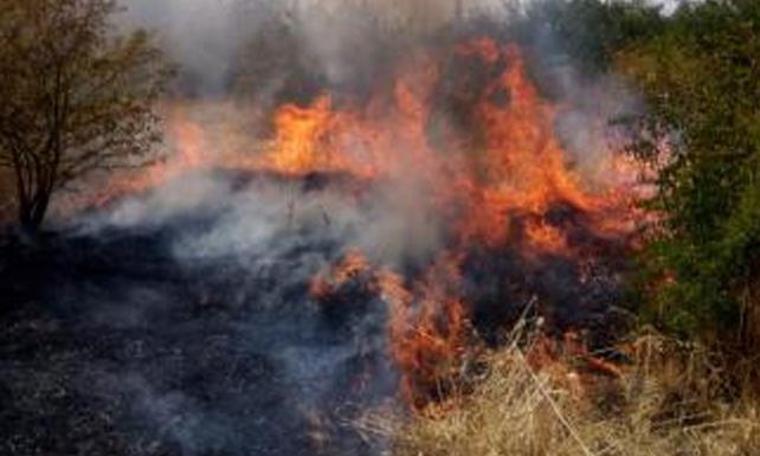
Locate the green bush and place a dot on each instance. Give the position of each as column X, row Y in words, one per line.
column 700, row 76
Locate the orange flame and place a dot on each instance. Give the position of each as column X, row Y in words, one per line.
column 519, row 169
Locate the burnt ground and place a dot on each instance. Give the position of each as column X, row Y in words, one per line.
column 181, row 323
column 109, row 346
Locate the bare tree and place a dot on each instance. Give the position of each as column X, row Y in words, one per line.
column 76, row 96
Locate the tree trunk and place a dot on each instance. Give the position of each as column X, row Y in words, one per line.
column 32, row 213
column 25, row 217
column 40, row 209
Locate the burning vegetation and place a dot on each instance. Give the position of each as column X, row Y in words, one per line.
column 466, row 136
column 437, row 227
column 505, row 189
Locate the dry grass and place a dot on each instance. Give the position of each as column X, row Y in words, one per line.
column 667, row 403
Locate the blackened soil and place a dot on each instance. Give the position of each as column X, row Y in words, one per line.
column 108, row 346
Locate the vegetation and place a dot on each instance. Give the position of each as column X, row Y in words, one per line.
column 701, row 80
column 591, row 32
column 694, row 390
column 76, row 97
column 698, row 72
column 79, row 97
column 665, row 405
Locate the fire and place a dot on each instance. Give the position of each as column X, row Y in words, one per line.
column 523, row 165
column 427, row 324
column 546, row 237
column 351, row 265
column 520, row 172
column 299, row 145
column 496, row 186
column 187, row 152
column 428, row 329
column 372, row 143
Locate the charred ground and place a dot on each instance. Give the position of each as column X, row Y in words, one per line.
column 111, row 345
column 114, row 344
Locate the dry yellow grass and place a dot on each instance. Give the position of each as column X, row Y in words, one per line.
column 665, row 404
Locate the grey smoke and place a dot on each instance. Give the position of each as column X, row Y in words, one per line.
column 394, row 225
column 203, row 36
column 339, row 38
column 206, row 36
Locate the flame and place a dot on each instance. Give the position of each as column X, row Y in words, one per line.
column 521, row 172
column 516, row 170
column 428, row 329
column 523, row 164
column 300, row 135
column 351, row 265
column 428, row 324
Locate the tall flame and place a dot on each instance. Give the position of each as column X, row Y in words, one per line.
column 520, row 170
column 516, row 169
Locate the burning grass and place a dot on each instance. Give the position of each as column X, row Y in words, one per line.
column 672, row 400
column 477, row 204
column 410, row 227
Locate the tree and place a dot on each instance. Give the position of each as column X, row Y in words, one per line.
column 76, row 96
column 701, row 80
column 591, row 32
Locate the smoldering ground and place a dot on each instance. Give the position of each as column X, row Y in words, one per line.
column 190, row 331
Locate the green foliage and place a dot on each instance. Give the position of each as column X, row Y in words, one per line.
column 700, row 75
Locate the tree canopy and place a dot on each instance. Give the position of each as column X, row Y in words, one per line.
column 76, row 96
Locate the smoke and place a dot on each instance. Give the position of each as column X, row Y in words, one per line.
column 238, row 359
column 344, row 41
column 343, row 47
column 218, row 42
column 247, row 243
column 202, row 36
column 591, row 107
column 268, row 219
